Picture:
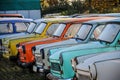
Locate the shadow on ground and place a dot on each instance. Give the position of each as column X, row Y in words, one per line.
column 10, row 71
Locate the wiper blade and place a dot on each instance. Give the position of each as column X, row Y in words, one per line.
column 55, row 36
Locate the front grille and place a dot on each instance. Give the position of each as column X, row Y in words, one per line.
column 82, row 77
column 55, row 66
column 38, row 58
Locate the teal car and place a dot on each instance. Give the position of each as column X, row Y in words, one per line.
column 108, row 40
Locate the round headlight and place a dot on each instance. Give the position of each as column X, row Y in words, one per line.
column 18, row 45
column 34, row 48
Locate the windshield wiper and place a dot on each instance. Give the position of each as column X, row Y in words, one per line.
column 103, row 41
column 77, row 38
column 55, row 36
column 27, row 32
column 35, row 33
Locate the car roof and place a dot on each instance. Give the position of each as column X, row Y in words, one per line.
column 15, row 20
column 103, row 21
column 77, row 20
column 11, row 15
column 52, row 20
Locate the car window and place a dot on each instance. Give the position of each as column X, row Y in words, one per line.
column 110, row 32
column 52, row 29
column 73, row 29
column 84, row 31
column 21, row 27
column 59, row 30
column 31, row 27
column 97, row 31
column 6, row 28
column 40, row 28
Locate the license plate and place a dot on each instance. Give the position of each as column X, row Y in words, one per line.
column 34, row 68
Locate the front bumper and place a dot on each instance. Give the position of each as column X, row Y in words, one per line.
column 40, row 69
column 23, row 64
column 4, row 49
column 52, row 77
column 6, row 55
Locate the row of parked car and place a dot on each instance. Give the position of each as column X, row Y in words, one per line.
column 85, row 48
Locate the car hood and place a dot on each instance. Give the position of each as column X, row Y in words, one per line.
column 22, row 37
column 57, row 44
column 6, row 40
column 100, row 57
column 79, row 47
column 37, row 41
column 12, row 35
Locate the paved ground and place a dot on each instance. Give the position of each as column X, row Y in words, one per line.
column 10, row 71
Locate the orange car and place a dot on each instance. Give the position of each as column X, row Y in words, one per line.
column 65, row 31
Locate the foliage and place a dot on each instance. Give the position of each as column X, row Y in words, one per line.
column 76, row 6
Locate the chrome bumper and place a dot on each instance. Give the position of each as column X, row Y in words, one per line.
column 52, row 77
column 38, row 69
column 4, row 49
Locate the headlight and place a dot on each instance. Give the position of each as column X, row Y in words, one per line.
column 74, row 63
column 18, row 45
column 61, row 59
column 34, row 48
column 23, row 48
column 42, row 53
column 93, row 73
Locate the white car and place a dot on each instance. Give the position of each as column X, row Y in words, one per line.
column 104, row 66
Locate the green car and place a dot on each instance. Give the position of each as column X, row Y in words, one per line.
column 108, row 40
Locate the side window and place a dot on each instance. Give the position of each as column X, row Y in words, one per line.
column 73, row 29
column 21, row 27
column 6, row 28
column 51, row 29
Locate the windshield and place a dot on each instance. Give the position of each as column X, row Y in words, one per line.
column 6, row 28
column 83, row 32
column 97, row 32
column 73, row 29
column 59, row 30
column 31, row 27
column 52, row 28
column 110, row 32
column 40, row 28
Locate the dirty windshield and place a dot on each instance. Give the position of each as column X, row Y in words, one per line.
column 110, row 32
column 59, row 30
column 40, row 28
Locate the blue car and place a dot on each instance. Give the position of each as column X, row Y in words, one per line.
column 13, row 25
